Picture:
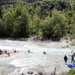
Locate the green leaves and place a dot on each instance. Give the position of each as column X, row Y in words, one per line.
column 21, row 26
column 38, row 19
column 2, row 28
column 38, row 11
column 1, row 11
column 71, row 72
column 18, row 10
column 54, row 27
column 57, row 31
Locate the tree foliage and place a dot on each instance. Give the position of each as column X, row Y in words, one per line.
column 47, row 18
column 1, row 11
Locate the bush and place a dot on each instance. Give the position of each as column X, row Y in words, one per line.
column 71, row 72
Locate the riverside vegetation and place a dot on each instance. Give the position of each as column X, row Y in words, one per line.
column 49, row 19
column 71, row 72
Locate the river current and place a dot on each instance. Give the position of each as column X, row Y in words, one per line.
column 23, row 62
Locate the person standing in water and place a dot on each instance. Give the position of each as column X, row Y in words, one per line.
column 65, row 58
column 72, row 58
column 74, row 62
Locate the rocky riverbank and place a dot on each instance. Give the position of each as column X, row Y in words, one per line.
column 61, row 42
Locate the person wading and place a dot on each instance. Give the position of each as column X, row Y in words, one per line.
column 72, row 58
column 65, row 58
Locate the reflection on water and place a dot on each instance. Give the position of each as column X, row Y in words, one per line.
column 36, row 60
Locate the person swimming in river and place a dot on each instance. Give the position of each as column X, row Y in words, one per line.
column 65, row 58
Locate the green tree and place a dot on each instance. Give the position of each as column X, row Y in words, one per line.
column 46, row 28
column 52, row 26
column 15, row 33
column 1, row 11
column 20, row 28
column 59, row 23
column 38, row 11
column 70, row 20
column 35, row 27
column 50, row 14
column 2, row 28
column 7, row 18
column 57, row 31
column 18, row 10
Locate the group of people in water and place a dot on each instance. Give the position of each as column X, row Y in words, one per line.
column 6, row 52
column 65, row 57
column 72, row 59
column 43, row 52
column 14, row 52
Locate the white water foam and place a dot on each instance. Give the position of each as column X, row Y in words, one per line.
column 36, row 60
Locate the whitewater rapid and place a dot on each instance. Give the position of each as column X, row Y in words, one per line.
column 23, row 62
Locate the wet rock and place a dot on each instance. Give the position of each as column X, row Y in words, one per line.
column 54, row 73
column 22, row 74
column 30, row 72
column 36, row 74
column 40, row 73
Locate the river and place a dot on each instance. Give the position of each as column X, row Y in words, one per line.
column 22, row 62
